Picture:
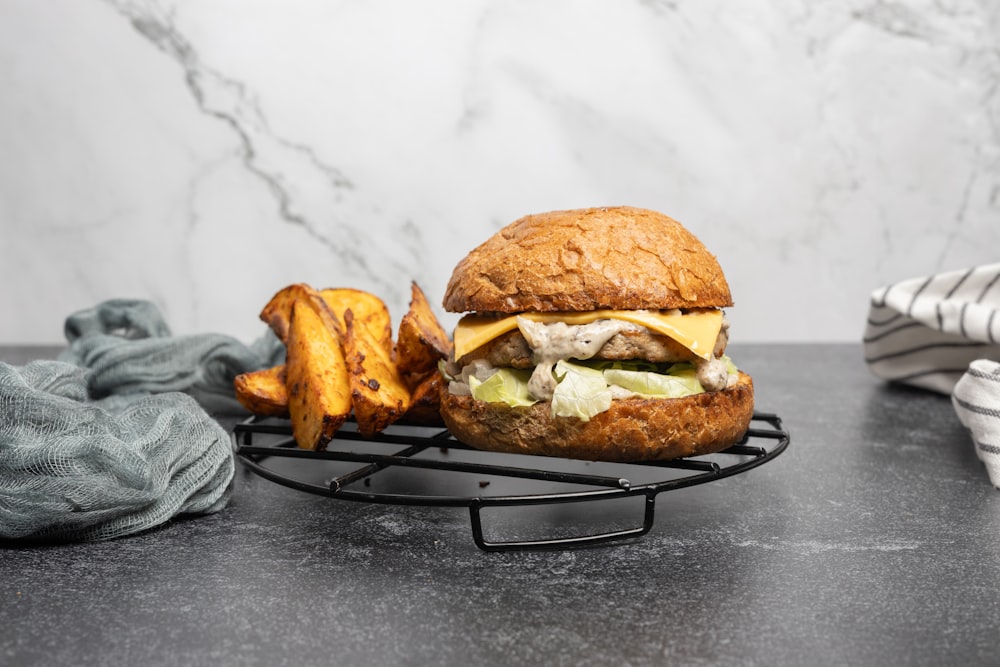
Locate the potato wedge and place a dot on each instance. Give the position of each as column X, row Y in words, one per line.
column 425, row 402
column 368, row 310
column 278, row 311
column 378, row 392
column 319, row 391
column 421, row 341
column 263, row 392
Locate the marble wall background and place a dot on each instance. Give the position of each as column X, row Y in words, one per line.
column 205, row 153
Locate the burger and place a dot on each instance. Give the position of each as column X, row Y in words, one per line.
column 593, row 334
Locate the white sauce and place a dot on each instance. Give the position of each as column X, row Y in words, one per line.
column 713, row 374
column 480, row 368
column 551, row 342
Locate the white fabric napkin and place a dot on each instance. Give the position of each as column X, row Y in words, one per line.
column 942, row 332
column 977, row 401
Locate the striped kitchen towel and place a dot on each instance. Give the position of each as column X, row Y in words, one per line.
column 942, row 332
column 977, row 402
column 926, row 331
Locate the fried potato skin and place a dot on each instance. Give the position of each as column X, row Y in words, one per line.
column 421, row 341
column 319, row 398
column 277, row 313
column 368, row 310
column 425, row 402
column 379, row 395
column 263, row 392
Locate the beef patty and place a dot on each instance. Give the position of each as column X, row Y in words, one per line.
column 511, row 349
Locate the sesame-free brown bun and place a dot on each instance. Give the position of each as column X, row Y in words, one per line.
column 633, row 429
column 588, row 259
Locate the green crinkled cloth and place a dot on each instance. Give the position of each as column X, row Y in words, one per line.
column 114, row 438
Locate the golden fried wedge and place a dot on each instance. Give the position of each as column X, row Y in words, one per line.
column 368, row 310
column 379, row 395
column 263, row 392
column 278, row 311
column 425, row 401
column 421, row 341
column 319, row 392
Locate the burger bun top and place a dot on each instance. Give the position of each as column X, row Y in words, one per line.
column 620, row 258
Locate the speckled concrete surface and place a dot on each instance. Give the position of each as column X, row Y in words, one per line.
column 874, row 539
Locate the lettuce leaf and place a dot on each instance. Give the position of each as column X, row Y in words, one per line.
column 655, row 385
column 584, row 388
column 582, row 392
column 730, row 366
column 506, row 385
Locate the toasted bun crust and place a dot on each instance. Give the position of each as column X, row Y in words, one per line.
column 587, row 259
column 635, row 429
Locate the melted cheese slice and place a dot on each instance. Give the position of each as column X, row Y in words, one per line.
column 696, row 330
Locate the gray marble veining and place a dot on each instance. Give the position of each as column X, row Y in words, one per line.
column 205, row 155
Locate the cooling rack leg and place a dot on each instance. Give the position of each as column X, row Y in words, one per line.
column 475, row 516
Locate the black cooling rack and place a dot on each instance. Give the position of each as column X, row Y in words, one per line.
column 412, row 465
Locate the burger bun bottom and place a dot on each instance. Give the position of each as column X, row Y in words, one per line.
column 633, row 429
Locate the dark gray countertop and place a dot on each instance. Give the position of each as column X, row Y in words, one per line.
column 874, row 539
